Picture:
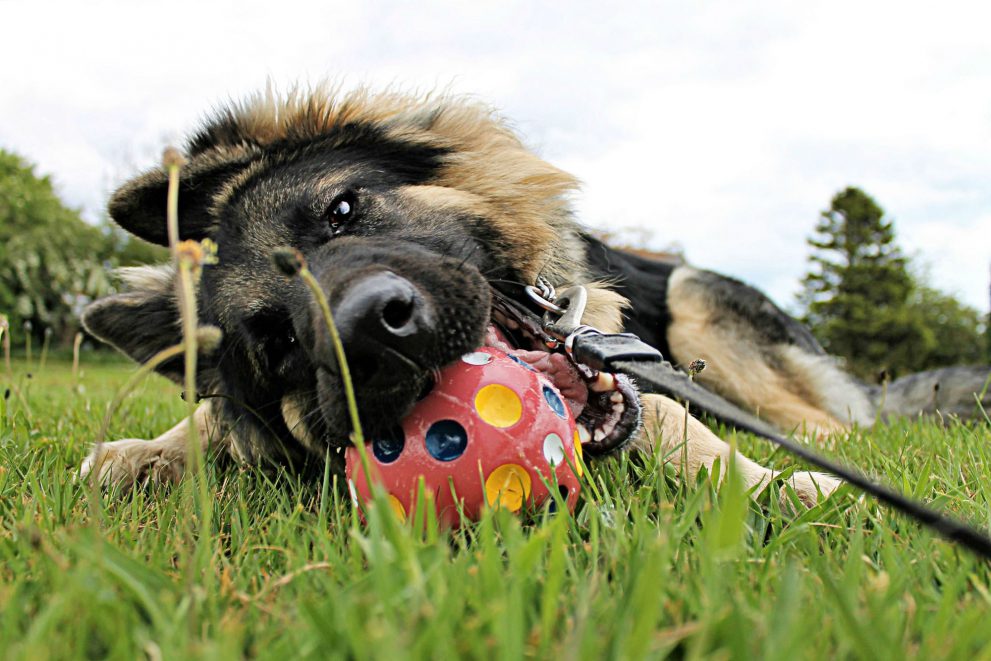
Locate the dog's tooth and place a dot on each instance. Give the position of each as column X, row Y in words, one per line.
column 616, row 398
column 599, row 435
column 583, row 434
column 607, row 428
column 618, row 408
column 604, row 382
column 512, row 325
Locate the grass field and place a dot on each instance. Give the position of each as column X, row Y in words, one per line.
column 648, row 566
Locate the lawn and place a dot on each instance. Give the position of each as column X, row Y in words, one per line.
column 648, row 566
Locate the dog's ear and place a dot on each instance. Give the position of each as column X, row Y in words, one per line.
column 141, row 322
column 139, row 206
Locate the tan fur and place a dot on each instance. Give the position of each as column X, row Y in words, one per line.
column 604, row 309
column 148, row 278
column 440, row 197
column 526, row 197
column 736, row 369
column 132, row 461
column 698, row 447
column 836, row 389
column 293, row 414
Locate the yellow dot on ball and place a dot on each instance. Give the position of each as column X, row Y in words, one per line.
column 397, row 507
column 578, row 453
column 508, row 486
column 498, row 405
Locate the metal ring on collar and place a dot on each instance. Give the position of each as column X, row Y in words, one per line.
column 539, row 299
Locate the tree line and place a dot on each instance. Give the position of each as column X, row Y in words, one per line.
column 51, row 261
column 860, row 296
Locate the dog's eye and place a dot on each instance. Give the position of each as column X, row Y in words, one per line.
column 341, row 210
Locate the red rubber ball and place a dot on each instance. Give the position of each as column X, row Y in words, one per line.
column 492, row 431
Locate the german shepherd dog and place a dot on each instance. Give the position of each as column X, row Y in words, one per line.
column 423, row 219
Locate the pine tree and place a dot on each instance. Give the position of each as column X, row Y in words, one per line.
column 857, row 290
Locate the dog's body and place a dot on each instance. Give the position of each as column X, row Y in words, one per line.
column 423, row 220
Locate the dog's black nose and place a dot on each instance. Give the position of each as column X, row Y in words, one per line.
column 379, row 312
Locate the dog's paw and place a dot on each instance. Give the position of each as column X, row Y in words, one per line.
column 123, row 464
column 811, row 487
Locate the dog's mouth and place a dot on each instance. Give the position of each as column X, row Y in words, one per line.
column 606, row 406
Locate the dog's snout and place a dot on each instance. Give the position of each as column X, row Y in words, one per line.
column 384, row 311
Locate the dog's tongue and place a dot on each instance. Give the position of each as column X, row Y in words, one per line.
column 562, row 373
column 555, row 366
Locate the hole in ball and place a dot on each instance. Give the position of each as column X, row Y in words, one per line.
column 446, row 440
column 389, row 445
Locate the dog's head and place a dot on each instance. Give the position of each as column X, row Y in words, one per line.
column 418, row 217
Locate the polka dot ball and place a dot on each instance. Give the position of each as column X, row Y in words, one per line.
column 492, row 432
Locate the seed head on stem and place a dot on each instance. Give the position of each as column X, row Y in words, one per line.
column 289, row 261
column 172, row 158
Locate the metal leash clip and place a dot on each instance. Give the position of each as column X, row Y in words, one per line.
column 563, row 318
column 559, row 320
column 544, row 295
column 571, row 303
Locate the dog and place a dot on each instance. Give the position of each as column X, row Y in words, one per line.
column 423, row 220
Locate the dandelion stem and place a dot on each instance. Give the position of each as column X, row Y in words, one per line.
column 44, row 349
column 76, row 344
column 335, row 338
column 187, row 271
column 5, row 335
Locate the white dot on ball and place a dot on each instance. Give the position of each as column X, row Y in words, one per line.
column 553, row 449
column 477, row 358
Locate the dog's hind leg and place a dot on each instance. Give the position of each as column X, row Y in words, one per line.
column 759, row 357
column 697, row 446
column 163, row 459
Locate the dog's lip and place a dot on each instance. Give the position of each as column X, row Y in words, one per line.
column 626, row 424
column 606, row 422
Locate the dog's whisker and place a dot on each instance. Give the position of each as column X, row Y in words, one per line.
column 470, row 254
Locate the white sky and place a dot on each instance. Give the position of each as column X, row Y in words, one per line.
column 722, row 127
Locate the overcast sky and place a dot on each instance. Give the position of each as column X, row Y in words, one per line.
column 722, row 127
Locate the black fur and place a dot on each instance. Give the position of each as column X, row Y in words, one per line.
column 643, row 282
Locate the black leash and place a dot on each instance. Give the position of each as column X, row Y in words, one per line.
column 628, row 354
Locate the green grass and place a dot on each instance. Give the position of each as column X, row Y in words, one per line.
column 649, row 566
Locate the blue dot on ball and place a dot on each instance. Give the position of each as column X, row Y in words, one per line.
column 389, row 446
column 554, row 401
column 446, row 440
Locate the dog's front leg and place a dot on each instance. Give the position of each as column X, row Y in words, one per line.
column 129, row 461
column 665, row 419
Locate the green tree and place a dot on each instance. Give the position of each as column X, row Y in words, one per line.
column 857, row 290
column 956, row 330
column 864, row 305
column 51, row 261
column 987, row 338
